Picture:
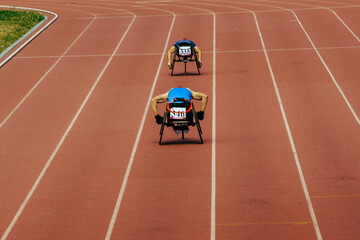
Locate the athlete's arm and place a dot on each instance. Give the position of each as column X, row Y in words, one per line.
column 170, row 52
column 199, row 53
column 200, row 96
column 158, row 99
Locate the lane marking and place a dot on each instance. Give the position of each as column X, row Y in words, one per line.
column 104, row 16
column 131, row 160
column 213, row 147
column 213, row 154
column 342, row 5
column 29, row 195
column 338, row 196
column 264, row 223
column 205, row 52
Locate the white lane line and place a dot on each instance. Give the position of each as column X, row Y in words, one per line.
column 204, row 52
column 339, row 3
column 32, row 190
column 44, row 76
column 287, row 127
column 213, row 147
column 132, row 156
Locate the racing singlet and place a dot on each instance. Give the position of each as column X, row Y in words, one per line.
column 179, row 93
column 189, row 42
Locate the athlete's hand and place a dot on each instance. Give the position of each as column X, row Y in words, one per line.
column 159, row 119
column 200, row 115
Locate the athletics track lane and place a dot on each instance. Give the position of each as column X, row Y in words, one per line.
column 168, row 192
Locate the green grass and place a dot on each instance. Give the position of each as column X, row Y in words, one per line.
column 14, row 24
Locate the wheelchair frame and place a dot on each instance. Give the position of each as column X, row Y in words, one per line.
column 185, row 59
column 181, row 123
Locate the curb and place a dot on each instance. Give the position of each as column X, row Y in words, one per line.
column 27, row 34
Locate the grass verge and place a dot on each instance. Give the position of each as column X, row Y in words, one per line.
column 14, row 24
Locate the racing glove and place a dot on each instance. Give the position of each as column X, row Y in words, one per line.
column 159, row 119
column 200, row 115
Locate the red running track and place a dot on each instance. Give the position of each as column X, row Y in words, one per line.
column 79, row 153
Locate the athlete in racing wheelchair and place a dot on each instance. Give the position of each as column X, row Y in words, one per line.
column 180, row 111
column 184, row 51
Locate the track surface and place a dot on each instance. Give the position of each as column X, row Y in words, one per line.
column 79, row 153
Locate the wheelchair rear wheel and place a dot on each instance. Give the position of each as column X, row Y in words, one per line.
column 173, row 65
column 162, row 128
column 197, row 63
column 197, row 123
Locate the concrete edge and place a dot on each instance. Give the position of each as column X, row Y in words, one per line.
column 27, row 34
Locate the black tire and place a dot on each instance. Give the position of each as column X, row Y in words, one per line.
column 197, row 123
column 173, row 65
column 199, row 130
column 162, row 128
column 197, row 63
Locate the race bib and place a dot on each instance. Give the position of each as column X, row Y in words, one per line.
column 178, row 113
column 185, row 51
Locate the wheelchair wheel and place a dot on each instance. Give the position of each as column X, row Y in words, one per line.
column 162, row 128
column 197, row 123
column 197, row 63
column 173, row 65
column 199, row 130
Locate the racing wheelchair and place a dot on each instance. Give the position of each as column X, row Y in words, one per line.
column 180, row 114
column 185, row 53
